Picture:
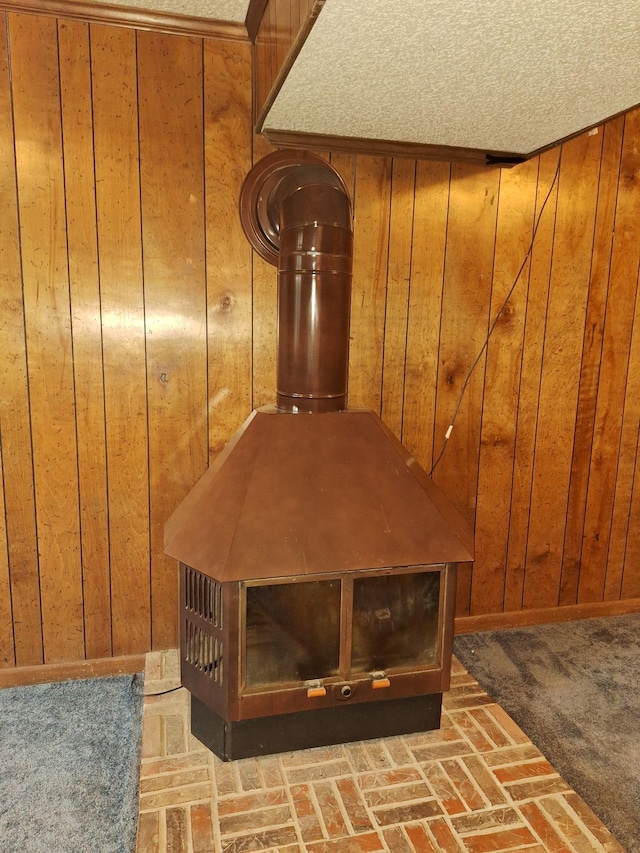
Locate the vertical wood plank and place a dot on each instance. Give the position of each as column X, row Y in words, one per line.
column 623, row 577
column 430, row 217
column 36, row 100
column 283, row 30
column 563, row 345
column 295, row 13
column 84, row 284
column 7, row 648
column 528, row 398
column 502, row 384
column 261, row 68
column 272, row 39
column 115, row 116
column 591, row 361
column 398, row 278
column 370, row 255
column 265, row 314
column 464, row 325
column 229, row 299
column 170, row 78
column 19, row 498
column 345, row 165
column 616, row 346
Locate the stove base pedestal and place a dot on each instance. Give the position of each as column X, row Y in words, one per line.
column 318, row 727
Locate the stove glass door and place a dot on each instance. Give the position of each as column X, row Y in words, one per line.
column 395, row 622
column 292, row 633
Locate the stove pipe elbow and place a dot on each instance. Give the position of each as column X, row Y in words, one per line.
column 296, row 213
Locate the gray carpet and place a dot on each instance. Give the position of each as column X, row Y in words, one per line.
column 69, row 766
column 573, row 689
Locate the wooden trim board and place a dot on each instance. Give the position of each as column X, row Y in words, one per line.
column 23, row 675
column 384, row 147
column 254, row 16
column 521, row 618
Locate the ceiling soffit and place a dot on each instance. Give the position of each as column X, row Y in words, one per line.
column 503, row 75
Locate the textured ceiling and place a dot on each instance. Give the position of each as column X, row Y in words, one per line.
column 219, row 10
column 505, row 75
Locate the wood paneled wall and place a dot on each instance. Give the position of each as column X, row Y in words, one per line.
column 126, row 320
column 137, row 332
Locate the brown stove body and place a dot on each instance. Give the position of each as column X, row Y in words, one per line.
column 317, row 559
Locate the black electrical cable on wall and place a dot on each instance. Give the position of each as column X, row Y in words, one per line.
column 497, row 317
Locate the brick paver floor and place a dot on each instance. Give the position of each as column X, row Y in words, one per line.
column 476, row 785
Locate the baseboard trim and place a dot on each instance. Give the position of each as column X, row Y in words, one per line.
column 520, row 618
column 23, row 675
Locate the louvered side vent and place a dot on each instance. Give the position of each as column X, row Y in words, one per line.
column 202, row 637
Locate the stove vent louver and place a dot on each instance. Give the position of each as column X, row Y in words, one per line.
column 203, row 624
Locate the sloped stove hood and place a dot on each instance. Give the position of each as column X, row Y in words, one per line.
column 299, row 494
column 310, row 486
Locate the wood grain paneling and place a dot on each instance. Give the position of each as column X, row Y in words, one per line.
column 15, row 418
column 345, row 164
column 84, row 285
column 564, row 336
column 616, row 349
column 137, row 331
column 371, row 205
column 531, row 368
column 229, row 297
column 264, row 319
column 464, row 322
column 430, row 219
column 7, row 650
column 397, row 304
column 591, row 360
column 115, row 112
column 623, row 574
column 622, row 577
column 502, row 384
column 43, row 240
column 170, row 98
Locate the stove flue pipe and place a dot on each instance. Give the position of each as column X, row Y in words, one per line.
column 296, row 213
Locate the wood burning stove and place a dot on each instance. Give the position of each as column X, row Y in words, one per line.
column 292, row 663
column 317, row 559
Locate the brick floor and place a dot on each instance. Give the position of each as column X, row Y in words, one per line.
column 475, row 786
